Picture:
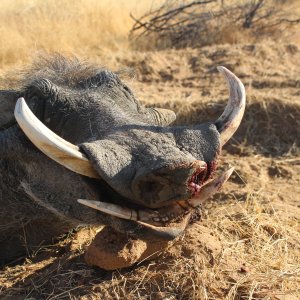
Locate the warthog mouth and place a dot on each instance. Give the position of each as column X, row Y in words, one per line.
column 74, row 159
column 200, row 176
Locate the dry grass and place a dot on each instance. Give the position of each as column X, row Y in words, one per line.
column 216, row 22
column 258, row 260
column 91, row 28
column 246, row 247
column 84, row 27
column 256, row 256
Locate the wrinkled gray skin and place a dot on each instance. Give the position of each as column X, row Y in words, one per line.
column 141, row 161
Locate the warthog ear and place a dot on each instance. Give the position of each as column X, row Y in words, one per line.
column 7, row 104
column 160, row 116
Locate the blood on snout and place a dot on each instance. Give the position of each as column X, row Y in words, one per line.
column 196, row 180
column 200, row 176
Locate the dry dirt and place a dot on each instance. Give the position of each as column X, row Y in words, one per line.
column 247, row 245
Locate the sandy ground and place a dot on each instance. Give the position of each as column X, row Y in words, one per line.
column 247, row 244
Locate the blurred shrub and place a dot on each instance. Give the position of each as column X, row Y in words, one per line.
column 183, row 23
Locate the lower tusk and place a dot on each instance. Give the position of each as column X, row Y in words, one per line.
column 210, row 188
column 119, row 211
column 165, row 214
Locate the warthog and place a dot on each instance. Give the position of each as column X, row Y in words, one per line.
column 75, row 135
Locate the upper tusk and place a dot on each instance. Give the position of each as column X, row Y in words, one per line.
column 232, row 116
column 50, row 143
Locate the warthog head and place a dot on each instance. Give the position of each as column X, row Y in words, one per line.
column 128, row 167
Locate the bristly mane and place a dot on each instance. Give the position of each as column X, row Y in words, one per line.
column 62, row 70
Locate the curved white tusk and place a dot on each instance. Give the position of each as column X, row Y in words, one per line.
column 50, row 143
column 210, row 188
column 119, row 211
column 232, row 116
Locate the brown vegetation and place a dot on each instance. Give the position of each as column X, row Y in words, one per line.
column 180, row 24
column 84, row 28
column 247, row 244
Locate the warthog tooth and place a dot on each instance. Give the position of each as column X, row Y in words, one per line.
column 143, row 217
column 50, row 143
column 231, row 118
column 119, row 211
column 210, row 188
